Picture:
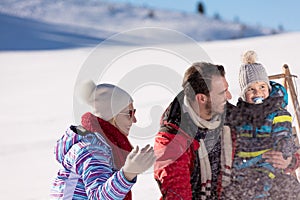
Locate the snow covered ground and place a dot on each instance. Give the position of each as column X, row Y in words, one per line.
column 37, row 87
column 36, row 107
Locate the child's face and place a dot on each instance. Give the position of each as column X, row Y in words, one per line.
column 257, row 89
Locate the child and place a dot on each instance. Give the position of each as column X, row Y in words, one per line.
column 262, row 123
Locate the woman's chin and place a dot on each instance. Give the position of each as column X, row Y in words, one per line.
column 125, row 132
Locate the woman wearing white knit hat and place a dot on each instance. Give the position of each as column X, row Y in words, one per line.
column 97, row 159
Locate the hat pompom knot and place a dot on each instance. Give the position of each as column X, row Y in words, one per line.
column 249, row 57
column 86, row 91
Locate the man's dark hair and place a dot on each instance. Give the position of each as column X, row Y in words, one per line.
column 197, row 78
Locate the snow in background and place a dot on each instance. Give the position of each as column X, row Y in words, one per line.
column 45, row 24
column 37, row 86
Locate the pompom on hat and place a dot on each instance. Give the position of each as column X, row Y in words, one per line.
column 106, row 100
column 251, row 72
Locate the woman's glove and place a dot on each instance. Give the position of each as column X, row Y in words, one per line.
column 138, row 161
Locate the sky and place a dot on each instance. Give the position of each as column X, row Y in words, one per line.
column 266, row 13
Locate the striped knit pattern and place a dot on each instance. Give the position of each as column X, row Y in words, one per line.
column 267, row 136
column 273, row 132
column 261, row 128
column 87, row 169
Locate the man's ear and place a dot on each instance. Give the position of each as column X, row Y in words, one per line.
column 201, row 98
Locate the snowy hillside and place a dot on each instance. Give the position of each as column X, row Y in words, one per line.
column 44, row 24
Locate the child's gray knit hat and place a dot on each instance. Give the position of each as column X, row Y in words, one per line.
column 251, row 72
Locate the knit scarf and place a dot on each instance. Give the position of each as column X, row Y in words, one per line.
column 226, row 152
column 118, row 141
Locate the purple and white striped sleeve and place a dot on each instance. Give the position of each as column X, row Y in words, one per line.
column 101, row 181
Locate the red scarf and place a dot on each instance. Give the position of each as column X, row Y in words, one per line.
column 118, row 141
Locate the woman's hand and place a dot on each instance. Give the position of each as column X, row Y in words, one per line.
column 138, row 161
column 277, row 160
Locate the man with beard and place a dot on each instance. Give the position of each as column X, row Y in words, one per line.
column 194, row 146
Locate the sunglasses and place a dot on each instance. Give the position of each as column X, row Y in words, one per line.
column 130, row 113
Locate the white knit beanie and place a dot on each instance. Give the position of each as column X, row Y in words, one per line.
column 251, row 72
column 106, row 100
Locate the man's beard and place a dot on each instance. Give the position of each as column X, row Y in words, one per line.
column 208, row 107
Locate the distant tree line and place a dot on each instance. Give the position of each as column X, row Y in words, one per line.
column 200, row 8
